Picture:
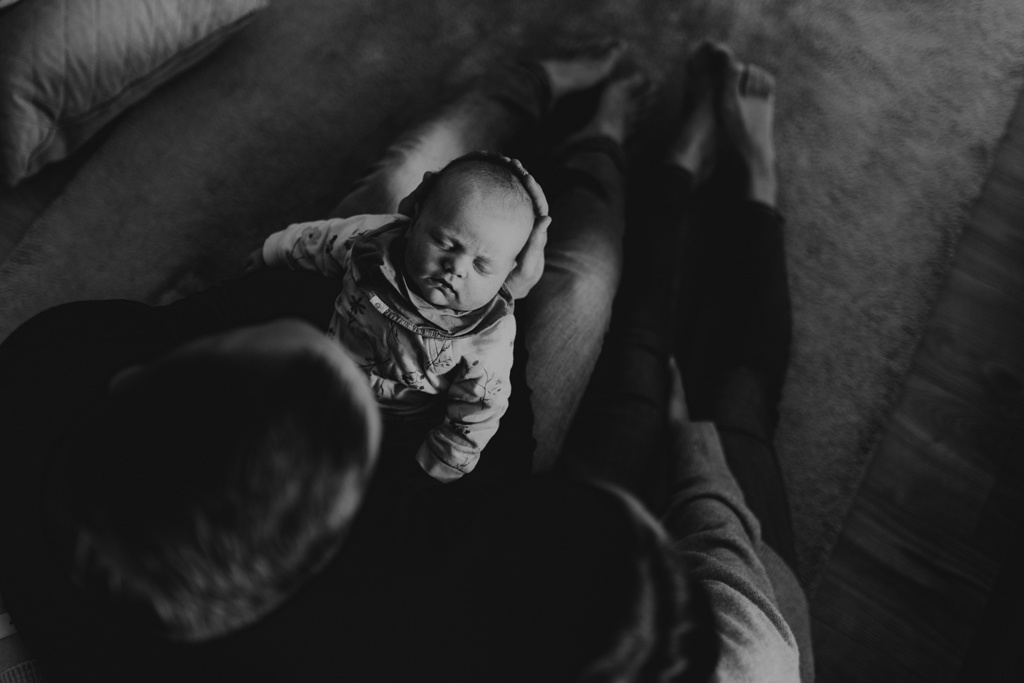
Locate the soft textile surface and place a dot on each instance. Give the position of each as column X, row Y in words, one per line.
column 888, row 114
column 67, row 67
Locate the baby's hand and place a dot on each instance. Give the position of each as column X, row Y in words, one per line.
column 254, row 262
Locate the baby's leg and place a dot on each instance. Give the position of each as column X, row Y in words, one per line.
column 486, row 117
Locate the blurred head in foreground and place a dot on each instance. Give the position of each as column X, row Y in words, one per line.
column 216, row 479
column 568, row 581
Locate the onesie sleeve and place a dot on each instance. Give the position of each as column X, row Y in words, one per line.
column 477, row 398
column 320, row 246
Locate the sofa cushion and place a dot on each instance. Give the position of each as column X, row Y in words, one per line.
column 67, row 67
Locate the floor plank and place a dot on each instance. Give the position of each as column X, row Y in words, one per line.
column 925, row 582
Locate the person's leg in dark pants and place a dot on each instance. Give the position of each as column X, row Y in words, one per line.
column 620, row 426
column 732, row 315
column 488, row 117
column 566, row 315
column 735, row 352
column 622, row 418
column 752, row 328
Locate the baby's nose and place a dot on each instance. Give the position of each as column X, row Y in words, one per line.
column 457, row 266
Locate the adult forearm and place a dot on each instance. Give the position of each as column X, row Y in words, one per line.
column 706, row 512
column 718, row 539
column 252, row 299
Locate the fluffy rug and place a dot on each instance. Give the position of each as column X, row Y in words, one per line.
column 888, row 114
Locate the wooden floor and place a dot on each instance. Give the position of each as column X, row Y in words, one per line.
column 927, row 581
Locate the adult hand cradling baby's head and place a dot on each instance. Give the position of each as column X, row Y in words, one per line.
column 530, row 264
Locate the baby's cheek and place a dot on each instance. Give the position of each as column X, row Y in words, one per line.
column 421, row 264
column 493, row 286
column 503, row 274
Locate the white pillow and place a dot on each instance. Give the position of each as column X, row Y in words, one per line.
column 67, row 67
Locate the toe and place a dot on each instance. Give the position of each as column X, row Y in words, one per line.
column 760, row 83
column 604, row 57
column 703, row 70
column 718, row 55
column 637, row 82
column 736, row 75
column 614, row 50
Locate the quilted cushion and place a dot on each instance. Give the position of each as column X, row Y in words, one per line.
column 67, row 67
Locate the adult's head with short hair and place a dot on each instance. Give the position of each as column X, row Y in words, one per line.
column 470, row 223
column 215, row 480
column 568, row 581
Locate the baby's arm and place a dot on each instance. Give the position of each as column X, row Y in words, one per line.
column 320, row 246
column 477, row 398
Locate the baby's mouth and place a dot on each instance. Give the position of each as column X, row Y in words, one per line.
column 444, row 285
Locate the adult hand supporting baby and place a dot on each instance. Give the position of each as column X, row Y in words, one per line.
column 530, row 264
column 407, row 207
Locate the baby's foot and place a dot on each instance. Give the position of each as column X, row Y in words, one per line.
column 748, row 112
column 617, row 108
column 693, row 146
column 584, row 71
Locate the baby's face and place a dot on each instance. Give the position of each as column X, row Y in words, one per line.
column 463, row 244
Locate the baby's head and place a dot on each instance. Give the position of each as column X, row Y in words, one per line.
column 473, row 219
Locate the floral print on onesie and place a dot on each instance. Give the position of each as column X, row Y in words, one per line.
column 414, row 353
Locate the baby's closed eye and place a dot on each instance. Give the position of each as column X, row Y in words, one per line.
column 442, row 244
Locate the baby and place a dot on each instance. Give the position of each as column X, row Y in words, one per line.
column 424, row 309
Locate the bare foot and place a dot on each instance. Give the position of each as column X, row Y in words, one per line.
column 748, row 112
column 583, row 71
column 693, row 147
column 617, row 108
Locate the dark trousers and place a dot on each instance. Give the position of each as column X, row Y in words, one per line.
column 705, row 282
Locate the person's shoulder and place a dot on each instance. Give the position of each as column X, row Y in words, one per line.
column 376, row 231
column 69, row 321
column 376, row 222
column 505, row 326
column 757, row 643
column 497, row 337
column 73, row 310
column 501, row 319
